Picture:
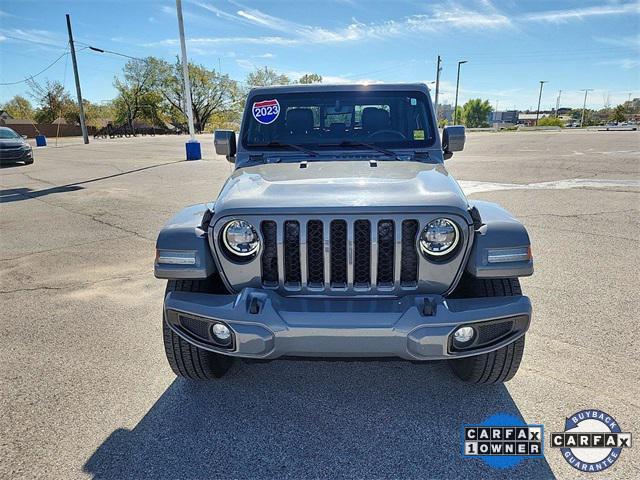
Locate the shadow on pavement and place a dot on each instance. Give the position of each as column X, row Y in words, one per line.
column 18, row 194
column 300, row 419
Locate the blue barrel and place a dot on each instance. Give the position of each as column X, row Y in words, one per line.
column 41, row 141
column 193, row 151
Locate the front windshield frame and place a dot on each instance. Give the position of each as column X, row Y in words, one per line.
column 316, row 100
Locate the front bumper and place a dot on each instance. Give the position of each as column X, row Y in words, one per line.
column 17, row 155
column 266, row 325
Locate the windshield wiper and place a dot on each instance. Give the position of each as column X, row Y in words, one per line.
column 349, row 143
column 286, row 145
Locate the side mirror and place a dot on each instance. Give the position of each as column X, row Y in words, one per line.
column 24, row 136
column 225, row 143
column 453, row 138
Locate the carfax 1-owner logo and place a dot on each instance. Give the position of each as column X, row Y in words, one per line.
column 503, row 441
column 266, row 111
column 592, row 440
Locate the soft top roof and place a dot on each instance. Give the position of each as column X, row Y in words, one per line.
column 323, row 87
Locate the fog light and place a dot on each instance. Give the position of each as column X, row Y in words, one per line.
column 463, row 335
column 221, row 334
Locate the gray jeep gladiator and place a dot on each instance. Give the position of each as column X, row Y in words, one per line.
column 340, row 233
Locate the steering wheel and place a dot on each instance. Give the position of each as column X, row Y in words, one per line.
column 395, row 133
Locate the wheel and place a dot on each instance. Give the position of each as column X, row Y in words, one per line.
column 28, row 162
column 187, row 360
column 500, row 365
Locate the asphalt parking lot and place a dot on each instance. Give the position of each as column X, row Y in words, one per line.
column 86, row 391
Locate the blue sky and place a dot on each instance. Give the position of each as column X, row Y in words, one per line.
column 510, row 45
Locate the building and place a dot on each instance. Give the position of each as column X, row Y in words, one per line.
column 4, row 115
column 504, row 119
column 529, row 119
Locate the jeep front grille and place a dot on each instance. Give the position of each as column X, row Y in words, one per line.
column 340, row 254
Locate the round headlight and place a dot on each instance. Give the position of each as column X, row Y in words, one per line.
column 240, row 238
column 439, row 237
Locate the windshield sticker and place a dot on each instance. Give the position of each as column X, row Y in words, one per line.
column 418, row 134
column 266, row 112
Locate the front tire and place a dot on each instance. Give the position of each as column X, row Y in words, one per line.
column 186, row 360
column 500, row 365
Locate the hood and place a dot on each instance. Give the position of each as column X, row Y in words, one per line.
column 11, row 142
column 350, row 185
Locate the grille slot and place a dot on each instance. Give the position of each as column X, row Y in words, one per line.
column 292, row 272
column 315, row 256
column 386, row 236
column 362, row 253
column 270, row 254
column 409, row 263
column 338, row 239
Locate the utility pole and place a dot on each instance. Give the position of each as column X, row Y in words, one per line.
column 438, row 70
column 542, row 82
column 455, row 108
column 558, row 102
column 193, row 152
column 584, row 105
column 83, row 125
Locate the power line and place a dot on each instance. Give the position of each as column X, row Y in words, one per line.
column 104, row 50
column 28, row 40
column 36, row 74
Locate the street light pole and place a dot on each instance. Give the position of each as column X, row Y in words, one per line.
column 438, row 70
column 584, row 105
column 455, row 108
column 193, row 147
column 558, row 102
column 542, row 82
column 83, row 125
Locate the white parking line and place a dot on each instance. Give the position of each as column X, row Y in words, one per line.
column 469, row 186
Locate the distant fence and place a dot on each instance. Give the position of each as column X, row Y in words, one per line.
column 47, row 129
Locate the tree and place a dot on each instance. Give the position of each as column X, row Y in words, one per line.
column 211, row 93
column 550, row 122
column 618, row 114
column 137, row 94
column 310, row 78
column 52, row 99
column 264, row 77
column 475, row 113
column 20, row 108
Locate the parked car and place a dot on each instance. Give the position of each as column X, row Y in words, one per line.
column 14, row 148
column 342, row 234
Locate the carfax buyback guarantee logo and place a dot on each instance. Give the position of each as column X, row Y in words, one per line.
column 503, row 441
column 592, row 440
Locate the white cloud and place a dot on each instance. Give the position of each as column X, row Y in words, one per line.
column 298, row 33
column 246, row 64
column 440, row 18
column 561, row 16
column 45, row 39
column 265, row 55
column 625, row 63
column 630, row 41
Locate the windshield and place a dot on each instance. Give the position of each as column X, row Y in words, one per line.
column 327, row 120
column 8, row 133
